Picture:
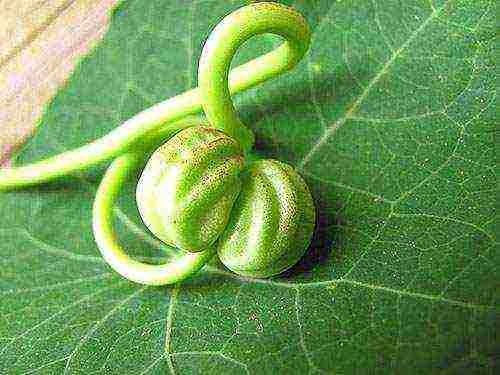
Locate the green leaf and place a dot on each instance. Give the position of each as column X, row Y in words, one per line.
column 391, row 121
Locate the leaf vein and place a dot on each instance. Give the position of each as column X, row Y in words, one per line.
column 169, row 327
column 94, row 328
column 357, row 103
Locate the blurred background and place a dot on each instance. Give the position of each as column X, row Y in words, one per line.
column 40, row 42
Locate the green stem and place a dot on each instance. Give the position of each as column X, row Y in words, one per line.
column 221, row 46
column 107, row 241
column 214, row 91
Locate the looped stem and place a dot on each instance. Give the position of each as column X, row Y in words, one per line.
column 107, row 241
column 247, row 21
column 130, row 142
column 221, row 46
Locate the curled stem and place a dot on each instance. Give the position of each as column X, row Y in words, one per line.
column 214, row 93
column 221, row 46
column 130, row 142
column 179, row 269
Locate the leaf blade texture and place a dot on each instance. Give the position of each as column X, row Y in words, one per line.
column 390, row 119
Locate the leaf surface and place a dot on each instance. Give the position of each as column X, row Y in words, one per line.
column 390, row 119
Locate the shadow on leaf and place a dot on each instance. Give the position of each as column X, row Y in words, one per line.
column 327, row 241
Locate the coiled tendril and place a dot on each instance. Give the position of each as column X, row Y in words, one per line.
column 151, row 127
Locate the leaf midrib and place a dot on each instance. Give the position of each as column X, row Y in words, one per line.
column 296, row 286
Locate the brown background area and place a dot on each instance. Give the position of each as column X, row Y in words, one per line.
column 40, row 43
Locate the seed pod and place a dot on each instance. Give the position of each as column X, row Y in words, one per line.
column 271, row 222
column 188, row 188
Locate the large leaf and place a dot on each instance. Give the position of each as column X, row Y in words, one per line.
column 391, row 121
